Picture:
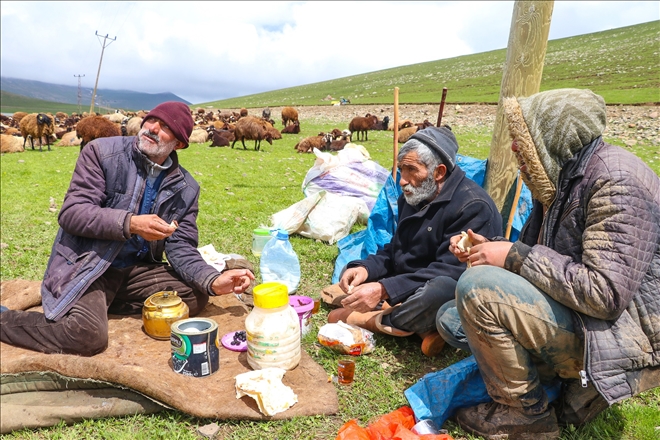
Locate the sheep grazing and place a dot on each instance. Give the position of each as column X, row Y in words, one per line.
column 251, row 128
column 220, row 138
column 70, row 139
column 362, row 125
column 37, row 126
column 320, row 142
column 405, row 134
column 94, row 127
column 292, row 128
column 10, row 144
column 117, row 118
column 382, row 125
column 198, row 136
column 265, row 114
column 133, row 126
column 17, row 117
column 289, row 114
column 339, row 144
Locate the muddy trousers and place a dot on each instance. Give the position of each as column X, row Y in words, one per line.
column 84, row 328
column 519, row 336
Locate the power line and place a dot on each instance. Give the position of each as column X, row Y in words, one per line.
column 79, row 90
column 91, row 107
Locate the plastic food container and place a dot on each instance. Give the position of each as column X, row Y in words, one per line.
column 273, row 329
column 260, row 237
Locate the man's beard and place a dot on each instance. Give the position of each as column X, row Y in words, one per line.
column 426, row 191
column 159, row 150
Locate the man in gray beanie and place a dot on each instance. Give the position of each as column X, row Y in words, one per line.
column 398, row 290
column 128, row 203
column 577, row 298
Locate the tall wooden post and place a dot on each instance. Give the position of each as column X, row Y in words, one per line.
column 523, row 68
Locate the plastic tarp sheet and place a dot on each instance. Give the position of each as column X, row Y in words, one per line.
column 348, row 173
column 384, row 214
column 438, row 395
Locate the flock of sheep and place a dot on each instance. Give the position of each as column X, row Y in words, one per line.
column 222, row 128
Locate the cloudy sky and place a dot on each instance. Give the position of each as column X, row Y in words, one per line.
column 204, row 51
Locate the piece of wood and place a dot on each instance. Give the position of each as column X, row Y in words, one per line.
column 442, row 106
column 512, row 213
column 395, row 148
column 523, row 68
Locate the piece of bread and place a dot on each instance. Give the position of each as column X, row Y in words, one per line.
column 464, row 243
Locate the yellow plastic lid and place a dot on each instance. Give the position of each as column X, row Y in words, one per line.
column 270, row 295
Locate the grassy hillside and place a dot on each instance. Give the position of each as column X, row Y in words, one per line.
column 621, row 65
column 10, row 103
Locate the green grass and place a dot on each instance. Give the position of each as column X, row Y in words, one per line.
column 240, row 190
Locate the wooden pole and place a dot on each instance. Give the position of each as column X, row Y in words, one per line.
column 523, row 68
column 396, row 132
column 442, row 106
column 514, row 206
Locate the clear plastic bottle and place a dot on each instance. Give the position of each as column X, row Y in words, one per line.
column 272, row 329
column 279, row 262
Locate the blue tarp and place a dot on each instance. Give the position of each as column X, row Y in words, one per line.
column 438, row 395
column 382, row 220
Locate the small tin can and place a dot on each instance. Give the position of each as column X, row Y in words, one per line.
column 160, row 310
column 195, row 347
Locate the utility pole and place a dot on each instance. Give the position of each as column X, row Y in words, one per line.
column 79, row 90
column 523, row 68
column 91, row 107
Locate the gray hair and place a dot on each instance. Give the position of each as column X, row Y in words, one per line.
column 426, row 156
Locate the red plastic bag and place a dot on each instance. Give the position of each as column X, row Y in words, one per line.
column 352, row 431
column 385, row 427
column 392, row 426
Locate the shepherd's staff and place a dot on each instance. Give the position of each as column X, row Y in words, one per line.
column 442, row 106
column 512, row 213
column 396, row 132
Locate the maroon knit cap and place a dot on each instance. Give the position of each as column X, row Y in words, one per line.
column 177, row 116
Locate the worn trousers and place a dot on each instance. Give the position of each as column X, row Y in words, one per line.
column 519, row 336
column 84, row 328
column 418, row 312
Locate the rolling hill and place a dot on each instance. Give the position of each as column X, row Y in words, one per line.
column 621, row 64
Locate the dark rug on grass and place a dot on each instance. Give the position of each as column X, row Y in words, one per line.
column 135, row 362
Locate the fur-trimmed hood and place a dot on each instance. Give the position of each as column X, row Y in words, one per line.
column 551, row 127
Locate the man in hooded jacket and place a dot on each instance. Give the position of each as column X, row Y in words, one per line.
column 578, row 295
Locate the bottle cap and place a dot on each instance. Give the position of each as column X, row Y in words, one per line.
column 282, row 234
column 270, row 295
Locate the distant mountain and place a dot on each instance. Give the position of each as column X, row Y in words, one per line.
column 124, row 99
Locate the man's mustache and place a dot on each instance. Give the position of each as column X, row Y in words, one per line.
column 151, row 135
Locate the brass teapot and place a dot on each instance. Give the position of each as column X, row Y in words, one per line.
column 161, row 310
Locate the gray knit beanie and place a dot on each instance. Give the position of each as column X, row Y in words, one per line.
column 441, row 141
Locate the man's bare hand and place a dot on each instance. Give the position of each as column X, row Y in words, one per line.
column 463, row 254
column 492, row 253
column 352, row 278
column 365, row 297
column 232, row 281
column 151, row 227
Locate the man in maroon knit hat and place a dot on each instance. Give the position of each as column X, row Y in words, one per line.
column 128, row 203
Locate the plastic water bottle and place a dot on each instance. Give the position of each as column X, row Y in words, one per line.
column 279, row 262
column 272, row 329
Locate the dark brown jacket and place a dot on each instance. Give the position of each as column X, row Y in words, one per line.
column 105, row 191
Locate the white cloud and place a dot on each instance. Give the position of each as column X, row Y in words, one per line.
column 204, row 51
